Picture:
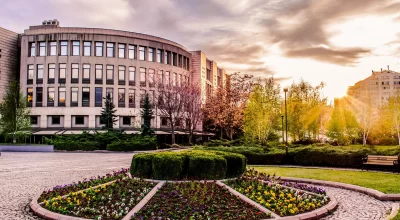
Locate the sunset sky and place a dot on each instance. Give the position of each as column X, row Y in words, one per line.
column 335, row 41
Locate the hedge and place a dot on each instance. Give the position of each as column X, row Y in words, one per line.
column 193, row 164
column 70, row 145
column 135, row 144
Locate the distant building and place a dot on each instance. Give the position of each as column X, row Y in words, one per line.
column 377, row 88
column 9, row 59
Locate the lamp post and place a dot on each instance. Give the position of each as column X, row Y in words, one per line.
column 287, row 150
column 283, row 134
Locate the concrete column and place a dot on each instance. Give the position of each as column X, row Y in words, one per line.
column 92, row 121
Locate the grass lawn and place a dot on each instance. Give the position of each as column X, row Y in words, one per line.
column 384, row 182
column 397, row 217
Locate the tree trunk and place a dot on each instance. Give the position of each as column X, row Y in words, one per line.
column 173, row 135
column 190, row 138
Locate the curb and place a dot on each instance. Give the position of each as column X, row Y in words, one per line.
column 371, row 192
column 395, row 210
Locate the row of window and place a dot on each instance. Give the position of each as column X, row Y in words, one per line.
column 85, row 93
column 122, row 51
column 86, row 69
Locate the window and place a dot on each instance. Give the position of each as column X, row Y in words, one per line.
column 61, row 96
column 99, row 74
column 132, row 73
column 87, row 47
column 86, row 73
column 121, row 97
column 142, row 76
column 62, row 73
column 98, row 97
column 50, row 96
column 99, row 49
column 151, row 77
column 208, row 74
column 85, row 97
column 184, row 62
column 180, row 60
column 74, row 73
column 64, row 48
column 164, row 121
column 79, row 120
column 174, row 59
column 30, row 74
column 55, row 120
column 110, row 74
column 110, row 49
column 29, row 96
column 110, row 91
column 74, row 96
column 167, row 57
column 142, row 96
column 32, row 49
column 39, row 96
column 132, row 52
column 75, row 48
column 51, row 73
column 142, row 53
column 42, row 49
column 167, row 76
column 160, row 77
column 121, row 75
column 174, row 79
column 34, row 120
column 151, row 96
column 151, row 54
column 159, row 56
column 121, row 50
column 126, row 120
column 180, row 80
column 39, row 77
column 131, row 98
column 53, row 48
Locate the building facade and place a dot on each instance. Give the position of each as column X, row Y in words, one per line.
column 376, row 88
column 9, row 59
column 65, row 73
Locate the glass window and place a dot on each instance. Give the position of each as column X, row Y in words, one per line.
column 32, row 49
column 167, row 77
column 64, row 48
column 79, row 120
column 180, row 80
column 121, row 50
column 121, row 73
column 180, row 60
column 132, row 52
column 61, row 95
column 142, row 96
column 34, row 120
column 126, row 120
column 111, row 92
column 151, row 96
column 63, row 70
column 142, row 76
column 50, row 94
column 85, row 96
column 74, row 94
column 86, row 71
column 151, row 77
column 174, row 59
column 98, row 96
column 110, row 72
column 132, row 71
column 42, row 49
column 99, row 71
column 55, row 120
column 52, row 69
column 110, row 49
column 174, row 79
column 75, row 71
column 40, row 71
column 53, row 48
column 87, row 47
column 151, row 54
column 160, row 77
column 159, row 56
column 30, row 71
column 29, row 95
column 131, row 98
column 167, row 57
column 121, row 95
column 142, row 52
column 39, row 96
column 99, row 49
column 75, row 48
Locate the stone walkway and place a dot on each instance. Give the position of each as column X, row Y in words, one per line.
column 24, row 175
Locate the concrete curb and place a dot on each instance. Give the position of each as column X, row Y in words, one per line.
column 395, row 210
column 371, row 192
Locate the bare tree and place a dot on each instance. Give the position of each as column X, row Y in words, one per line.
column 191, row 98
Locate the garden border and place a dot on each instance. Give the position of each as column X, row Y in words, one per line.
column 395, row 210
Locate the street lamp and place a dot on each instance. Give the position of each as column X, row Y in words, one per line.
column 283, row 134
column 287, row 150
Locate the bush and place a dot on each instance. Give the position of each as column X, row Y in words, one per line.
column 206, row 166
column 236, row 163
column 137, row 143
column 168, row 166
column 142, row 165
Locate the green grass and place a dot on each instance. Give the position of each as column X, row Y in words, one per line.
column 384, row 182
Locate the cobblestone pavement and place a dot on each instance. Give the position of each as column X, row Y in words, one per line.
column 357, row 206
column 25, row 175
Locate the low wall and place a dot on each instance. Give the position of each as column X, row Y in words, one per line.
column 26, row 148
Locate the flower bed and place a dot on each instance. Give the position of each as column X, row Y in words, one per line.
column 197, row 200
column 112, row 201
column 282, row 201
column 62, row 190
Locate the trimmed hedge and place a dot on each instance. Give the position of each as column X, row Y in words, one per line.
column 70, row 145
column 193, row 164
column 135, row 144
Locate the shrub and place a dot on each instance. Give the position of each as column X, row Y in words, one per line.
column 206, row 166
column 236, row 163
column 142, row 165
column 137, row 143
column 168, row 166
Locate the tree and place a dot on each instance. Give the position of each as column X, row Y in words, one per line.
column 108, row 116
column 262, row 114
column 15, row 119
column 192, row 107
column 392, row 113
column 147, row 114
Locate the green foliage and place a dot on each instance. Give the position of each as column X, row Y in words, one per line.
column 168, row 166
column 146, row 114
column 236, row 163
column 108, row 116
column 134, row 144
column 142, row 165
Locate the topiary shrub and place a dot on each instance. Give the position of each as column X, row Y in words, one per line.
column 142, row 165
column 236, row 163
column 167, row 166
column 206, row 166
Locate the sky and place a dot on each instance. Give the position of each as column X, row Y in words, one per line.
column 338, row 42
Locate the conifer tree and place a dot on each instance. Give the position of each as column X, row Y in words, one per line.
column 108, row 116
column 146, row 114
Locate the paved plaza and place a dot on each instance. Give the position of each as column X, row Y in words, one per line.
column 25, row 175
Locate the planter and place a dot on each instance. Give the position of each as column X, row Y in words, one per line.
column 26, row 148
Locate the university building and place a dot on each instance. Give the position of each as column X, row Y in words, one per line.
column 65, row 72
column 376, row 88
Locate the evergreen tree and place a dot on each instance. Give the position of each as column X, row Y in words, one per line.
column 108, row 116
column 146, row 114
column 14, row 115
